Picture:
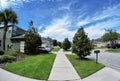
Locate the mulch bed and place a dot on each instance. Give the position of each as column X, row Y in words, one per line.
column 18, row 60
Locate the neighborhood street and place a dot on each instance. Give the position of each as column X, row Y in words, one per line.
column 111, row 60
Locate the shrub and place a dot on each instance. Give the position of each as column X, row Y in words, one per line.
column 7, row 58
column 66, row 44
column 1, row 52
column 14, row 54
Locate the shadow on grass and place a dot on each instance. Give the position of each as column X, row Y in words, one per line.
column 82, row 60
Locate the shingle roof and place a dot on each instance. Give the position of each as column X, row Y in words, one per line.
column 18, row 37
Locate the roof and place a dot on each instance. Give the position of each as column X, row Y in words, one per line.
column 18, row 37
column 12, row 26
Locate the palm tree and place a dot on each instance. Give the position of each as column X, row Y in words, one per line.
column 7, row 16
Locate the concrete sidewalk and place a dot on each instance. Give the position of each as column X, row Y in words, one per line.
column 8, row 76
column 63, row 69
column 105, row 74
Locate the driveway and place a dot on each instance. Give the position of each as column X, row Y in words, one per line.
column 111, row 60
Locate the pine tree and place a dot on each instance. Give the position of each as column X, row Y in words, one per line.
column 81, row 44
column 59, row 44
column 32, row 39
column 55, row 42
column 66, row 44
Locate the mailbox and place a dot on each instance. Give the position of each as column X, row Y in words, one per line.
column 97, row 51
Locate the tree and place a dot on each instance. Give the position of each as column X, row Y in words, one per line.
column 7, row 16
column 110, row 36
column 32, row 39
column 55, row 42
column 81, row 44
column 59, row 44
column 119, row 36
column 66, row 44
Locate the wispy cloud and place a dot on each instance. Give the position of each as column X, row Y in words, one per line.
column 105, row 19
column 95, row 25
column 83, row 22
column 59, row 29
column 108, row 12
column 98, row 29
column 12, row 3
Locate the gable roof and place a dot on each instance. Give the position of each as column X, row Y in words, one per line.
column 12, row 26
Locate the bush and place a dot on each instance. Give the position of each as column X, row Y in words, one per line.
column 1, row 52
column 66, row 44
column 7, row 58
column 14, row 54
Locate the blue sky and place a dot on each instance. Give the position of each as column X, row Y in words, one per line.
column 59, row 19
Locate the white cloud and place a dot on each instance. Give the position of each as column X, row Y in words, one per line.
column 40, row 27
column 59, row 29
column 97, row 30
column 9, row 3
column 81, row 23
column 94, row 31
column 108, row 12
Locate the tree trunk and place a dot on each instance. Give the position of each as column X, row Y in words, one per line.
column 4, row 40
column 4, row 37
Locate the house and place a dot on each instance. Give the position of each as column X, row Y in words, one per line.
column 46, row 43
column 14, row 38
column 101, row 44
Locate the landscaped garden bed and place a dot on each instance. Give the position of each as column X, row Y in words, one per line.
column 11, row 57
column 37, row 66
column 84, row 67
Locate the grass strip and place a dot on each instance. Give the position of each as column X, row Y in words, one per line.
column 86, row 67
column 117, row 50
column 55, row 49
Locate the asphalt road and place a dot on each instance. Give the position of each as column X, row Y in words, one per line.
column 111, row 60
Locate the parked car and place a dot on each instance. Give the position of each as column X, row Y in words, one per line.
column 41, row 49
column 113, row 46
column 118, row 45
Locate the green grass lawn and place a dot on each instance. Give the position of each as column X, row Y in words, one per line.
column 84, row 68
column 55, row 49
column 37, row 67
column 117, row 50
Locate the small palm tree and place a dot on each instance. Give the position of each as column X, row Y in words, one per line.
column 7, row 16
